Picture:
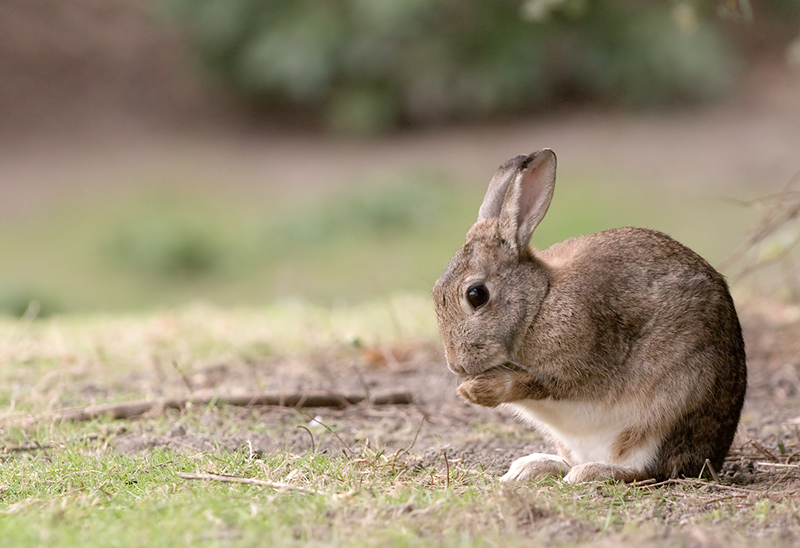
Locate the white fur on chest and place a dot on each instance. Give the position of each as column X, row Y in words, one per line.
column 589, row 430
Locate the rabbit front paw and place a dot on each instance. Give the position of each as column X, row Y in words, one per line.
column 486, row 390
column 536, row 466
column 500, row 385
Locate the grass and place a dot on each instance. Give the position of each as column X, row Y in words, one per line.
column 78, row 484
column 51, row 361
column 80, row 495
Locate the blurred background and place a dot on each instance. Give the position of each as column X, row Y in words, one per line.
column 238, row 152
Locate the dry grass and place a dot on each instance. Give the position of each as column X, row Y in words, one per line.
column 416, row 475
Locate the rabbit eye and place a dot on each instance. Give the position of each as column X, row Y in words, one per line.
column 477, row 295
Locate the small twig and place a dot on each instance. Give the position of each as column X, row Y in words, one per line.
column 764, row 451
column 34, row 307
column 758, row 202
column 446, row 467
column 407, row 449
column 718, row 486
column 779, row 480
column 790, row 457
column 777, row 465
column 25, row 447
column 335, row 435
column 310, row 435
column 776, row 258
column 182, row 373
column 249, row 481
column 43, row 449
column 713, row 472
column 780, row 210
column 659, row 483
column 250, row 453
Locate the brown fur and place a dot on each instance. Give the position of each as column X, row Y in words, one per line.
column 626, row 315
column 629, row 439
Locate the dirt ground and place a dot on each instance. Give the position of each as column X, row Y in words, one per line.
column 440, row 420
column 763, row 464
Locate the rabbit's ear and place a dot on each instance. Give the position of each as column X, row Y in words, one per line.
column 498, row 187
column 528, row 197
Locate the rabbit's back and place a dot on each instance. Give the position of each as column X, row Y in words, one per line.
column 636, row 321
column 625, row 303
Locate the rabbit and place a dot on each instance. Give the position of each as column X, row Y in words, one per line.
column 622, row 347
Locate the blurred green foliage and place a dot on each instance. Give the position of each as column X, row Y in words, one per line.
column 167, row 246
column 384, row 234
column 20, row 303
column 380, row 212
column 368, row 65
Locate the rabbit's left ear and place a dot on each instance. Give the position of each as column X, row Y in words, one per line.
column 527, row 198
column 498, row 188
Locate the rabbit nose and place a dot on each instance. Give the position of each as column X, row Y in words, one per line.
column 457, row 369
column 454, row 367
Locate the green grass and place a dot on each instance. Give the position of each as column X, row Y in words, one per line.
column 74, row 486
column 150, row 249
column 80, row 495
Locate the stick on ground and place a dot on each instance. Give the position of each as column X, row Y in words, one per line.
column 127, row 410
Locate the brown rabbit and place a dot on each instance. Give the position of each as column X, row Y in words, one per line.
column 623, row 347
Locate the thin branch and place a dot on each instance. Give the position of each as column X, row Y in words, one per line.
column 127, row 410
column 776, row 258
column 249, row 481
column 446, row 467
column 779, row 210
column 726, row 497
column 764, row 451
column 24, row 448
column 713, row 472
column 362, row 380
column 43, row 449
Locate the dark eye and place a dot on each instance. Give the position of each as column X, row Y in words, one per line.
column 477, row 295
